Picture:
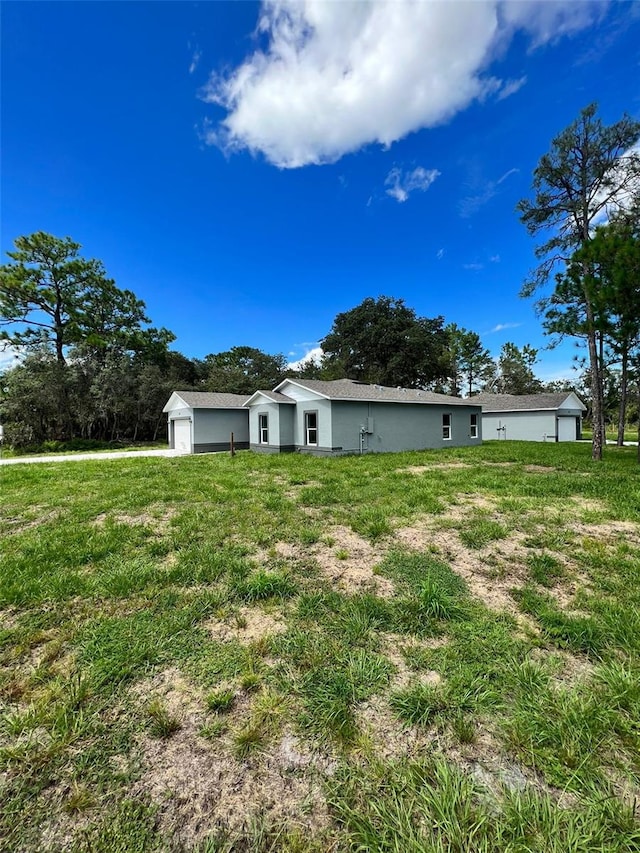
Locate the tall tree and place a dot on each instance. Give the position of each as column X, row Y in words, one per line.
column 242, row 370
column 515, row 370
column 589, row 171
column 52, row 295
column 612, row 259
column 42, row 293
column 383, row 341
column 471, row 364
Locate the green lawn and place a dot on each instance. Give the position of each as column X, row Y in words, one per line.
column 612, row 434
column 434, row 651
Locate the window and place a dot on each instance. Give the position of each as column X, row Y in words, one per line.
column 446, row 427
column 473, row 432
column 311, row 428
column 263, row 429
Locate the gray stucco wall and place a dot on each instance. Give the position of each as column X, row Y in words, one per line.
column 287, row 423
column 403, row 426
column 520, row 426
column 280, row 425
column 212, row 429
column 324, row 410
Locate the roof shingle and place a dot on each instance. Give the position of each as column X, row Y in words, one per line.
column 212, row 400
column 521, row 402
column 349, row 389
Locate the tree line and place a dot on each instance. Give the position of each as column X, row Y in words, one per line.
column 93, row 368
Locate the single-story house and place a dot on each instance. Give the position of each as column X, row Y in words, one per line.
column 202, row 422
column 343, row 416
column 531, row 417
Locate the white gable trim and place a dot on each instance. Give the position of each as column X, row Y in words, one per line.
column 300, row 385
column 573, row 402
column 175, row 401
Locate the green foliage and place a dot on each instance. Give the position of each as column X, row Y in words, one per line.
column 383, row 341
column 545, row 569
column 470, row 364
column 162, row 723
column 479, row 531
column 436, row 602
column 589, row 168
column 221, row 701
column 243, row 370
column 111, row 586
column 428, row 806
column 515, row 370
column 264, row 584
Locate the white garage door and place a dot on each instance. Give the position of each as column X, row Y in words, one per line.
column 566, row 429
column 182, row 435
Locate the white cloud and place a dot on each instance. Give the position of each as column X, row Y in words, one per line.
column 502, row 326
column 495, row 259
column 440, row 254
column 401, row 185
column 472, row 203
column 511, row 87
column 195, row 61
column 550, row 20
column 335, row 76
column 474, row 266
column 314, row 355
column 9, row 356
column 622, row 199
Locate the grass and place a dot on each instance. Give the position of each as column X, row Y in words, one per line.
column 224, row 582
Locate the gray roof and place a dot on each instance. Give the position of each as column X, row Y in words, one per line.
column 522, row 402
column 276, row 396
column 349, row 389
column 211, row 400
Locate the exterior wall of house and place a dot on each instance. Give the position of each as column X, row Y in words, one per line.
column 569, row 423
column 280, row 426
column 324, row 411
column 297, row 393
column 520, row 426
column 286, row 427
column 400, row 426
column 183, row 413
column 212, row 429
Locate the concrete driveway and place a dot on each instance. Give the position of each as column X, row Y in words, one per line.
column 79, row 457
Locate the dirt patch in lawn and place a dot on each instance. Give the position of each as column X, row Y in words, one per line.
column 490, row 573
column 393, row 648
column 611, row 533
column 246, row 625
column 19, row 524
column 9, row 619
column 435, row 466
column 485, row 762
column 388, row 735
column 499, row 464
column 540, row 469
column 349, row 562
column 158, row 518
column 200, row 787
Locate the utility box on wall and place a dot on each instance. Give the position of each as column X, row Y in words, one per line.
column 368, row 427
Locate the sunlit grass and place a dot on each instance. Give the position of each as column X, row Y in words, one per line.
column 111, row 577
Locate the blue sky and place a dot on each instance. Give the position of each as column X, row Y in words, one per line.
column 251, row 170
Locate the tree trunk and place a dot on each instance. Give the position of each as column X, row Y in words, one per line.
column 596, row 394
column 622, row 412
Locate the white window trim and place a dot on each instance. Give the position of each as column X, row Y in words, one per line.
column 262, row 415
column 446, row 426
column 473, row 427
column 307, row 428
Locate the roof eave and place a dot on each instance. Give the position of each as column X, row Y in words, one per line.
column 299, row 384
